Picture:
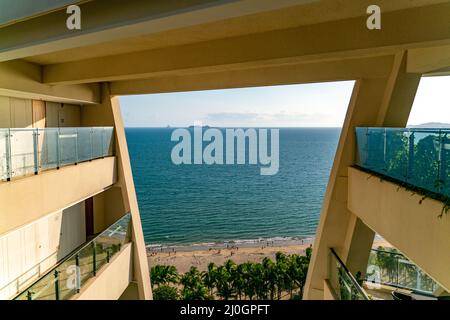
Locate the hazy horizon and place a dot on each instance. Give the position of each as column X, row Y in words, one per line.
column 257, row 127
column 314, row 105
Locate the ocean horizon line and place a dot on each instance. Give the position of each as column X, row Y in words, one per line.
column 222, row 127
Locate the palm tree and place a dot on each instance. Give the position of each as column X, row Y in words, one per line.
column 270, row 276
column 165, row 293
column 210, row 277
column 238, row 280
column 193, row 287
column 257, row 276
column 301, row 266
column 224, row 280
column 298, row 269
column 260, row 280
column 293, row 272
column 161, row 274
column 248, row 281
column 283, row 280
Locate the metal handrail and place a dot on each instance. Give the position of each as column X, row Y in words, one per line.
column 38, row 265
column 350, row 275
column 402, row 258
column 389, row 252
column 36, row 148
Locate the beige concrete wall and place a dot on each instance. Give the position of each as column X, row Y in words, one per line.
column 27, row 199
column 28, row 252
column 70, row 115
column 412, row 227
column 38, row 114
column 114, row 206
column 63, row 115
column 108, row 208
column 328, row 293
column 52, row 114
column 99, row 212
column 5, row 112
column 18, row 113
column 131, row 292
column 112, row 280
column 15, row 113
column 21, row 113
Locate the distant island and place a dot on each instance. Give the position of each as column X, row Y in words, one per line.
column 199, row 126
column 431, row 125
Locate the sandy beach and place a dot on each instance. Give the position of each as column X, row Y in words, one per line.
column 185, row 257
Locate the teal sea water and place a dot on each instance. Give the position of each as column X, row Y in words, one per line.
column 194, row 204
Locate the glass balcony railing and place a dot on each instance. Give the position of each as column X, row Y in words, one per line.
column 393, row 269
column 419, row 157
column 28, row 151
column 343, row 283
column 68, row 277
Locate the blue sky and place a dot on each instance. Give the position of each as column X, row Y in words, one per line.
column 305, row 105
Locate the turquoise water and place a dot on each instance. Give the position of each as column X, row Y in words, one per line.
column 188, row 204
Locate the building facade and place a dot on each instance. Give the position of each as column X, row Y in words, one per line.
column 69, row 219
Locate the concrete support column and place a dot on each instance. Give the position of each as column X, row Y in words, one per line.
column 125, row 180
column 358, row 244
column 105, row 114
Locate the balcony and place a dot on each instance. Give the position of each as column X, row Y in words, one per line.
column 400, row 188
column 70, row 276
column 417, row 226
column 418, row 158
column 25, row 152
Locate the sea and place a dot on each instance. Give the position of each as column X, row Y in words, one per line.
column 217, row 205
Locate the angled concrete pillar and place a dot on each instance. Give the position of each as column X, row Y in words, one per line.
column 105, row 114
column 357, row 245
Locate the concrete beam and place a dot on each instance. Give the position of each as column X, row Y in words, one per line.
column 428, row 60
column 350, row 69
column 22, row 79
column 110, row 20
column 331, row 40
